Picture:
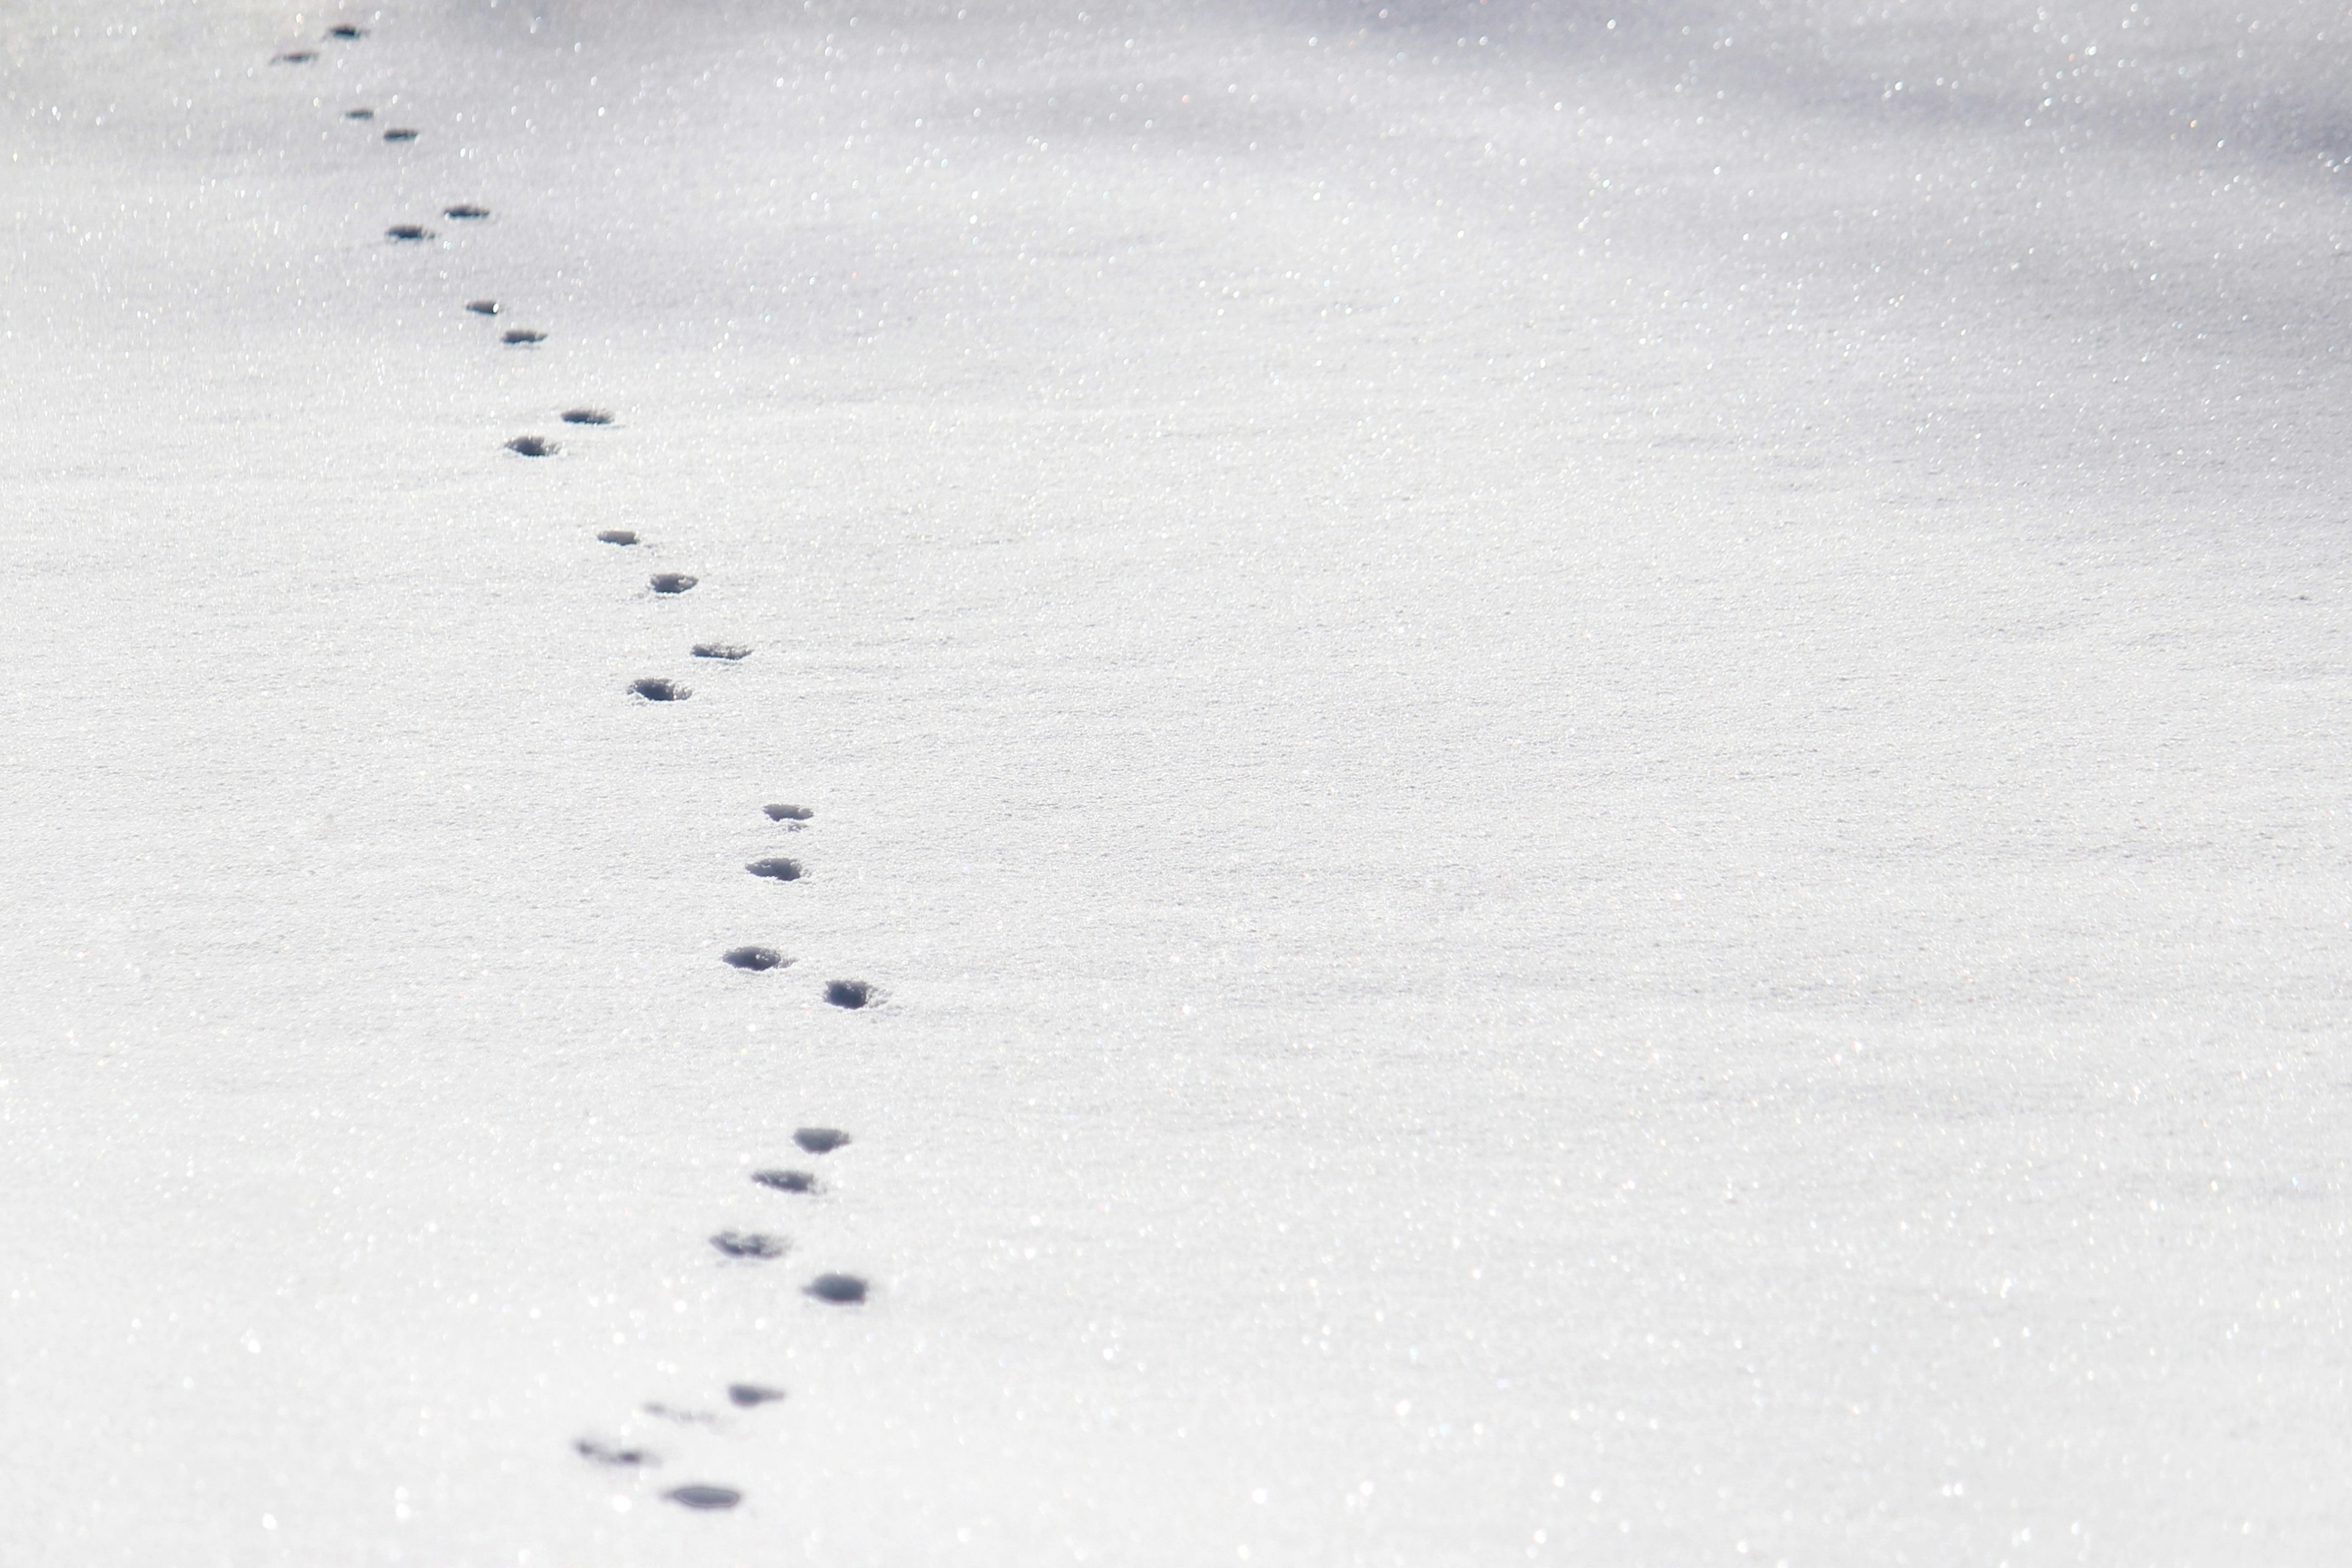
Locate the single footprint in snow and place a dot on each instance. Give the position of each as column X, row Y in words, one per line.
column 599, row 1453
column 586, row 417
column 465, row 210
column 407, row 233
column 750, row 1244
column 672, row 582
column 346, row 30
column 840, row 1290
column 778, row 868
column 359, row 114
column 483, row 307
column 294, row 57
column 746, row 1395
column 730, row 651
column 656, row 689
column 683, row 1417
column 704, row 1497
column 795, row 815
column 522, row 335
column 616, row 536
column 848, row 992
column 787, row 1180
column 755, row 959
column 400, row 133
column 533, row 447
column 820, row 1140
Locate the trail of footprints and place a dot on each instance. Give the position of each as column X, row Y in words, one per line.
column 730, row 1246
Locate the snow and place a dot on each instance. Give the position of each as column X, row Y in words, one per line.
column 1591, row 760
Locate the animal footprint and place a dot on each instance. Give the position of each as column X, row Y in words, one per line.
column 465, row 210
column 756, row 958
column 483, row 307
column 586, row 417
column 839, row 1289
column 820, row 1140
column 777, row 868
column 519, row 336
column 704, row 1498
column 750, row 1244
column 616, row 536
column 400, row 133
column 294, row 57
column 533, row 447
column 794, row 813
column 359, row 114
column 748, row 1394
column 850, row 994
column 598, row 1453
column 407, row 233
column 345, row 30
column 654, row 688
column 730, row 651
column 787, row 1180
column 672, row 582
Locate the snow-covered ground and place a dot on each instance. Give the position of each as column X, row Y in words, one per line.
column 1594, row 756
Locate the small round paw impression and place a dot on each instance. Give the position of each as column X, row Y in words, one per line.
column 704, row 1498
column 755, row 959
column 840, row 1290
column 465, row 210
column 656, row 689
column 533, row 447
column 750, row 1244
column 346, row 30
column 820, row 1140
column 848, row 992
column 407, row 233
column 777, row 869
column 586, row 417
column 730, row 651
column 787, row 1180
column 672, row 582
column 616, row 536
column 483, row 307
column 400, row 133
column 789, row 813
column 748, row 1395
column 522, row 335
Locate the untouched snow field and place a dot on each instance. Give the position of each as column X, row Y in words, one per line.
column 1593, row 757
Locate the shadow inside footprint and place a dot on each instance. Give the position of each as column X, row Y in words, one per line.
column 346, row 30
column 597, row 1453
column 616, row 536
column 654, row 688
column 841, row 1290
column 730, row 651
column 533, row 447
column 755, row 959
column 586, row 417
column 400, row 133
column 820, row 1140
column 701, row 1497
column 848, row 992
column 483, row 307
column 465, row 210
column 750, row 1244
column 777, row 869
column 295, row 57
column 407, row 233
column 786, row 1181
column 750, row 1394
column 789, row 813
column 520, row 335
column 672, row 582
column 359, row 114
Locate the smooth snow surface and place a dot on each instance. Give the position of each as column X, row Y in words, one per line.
column 1584, row 764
